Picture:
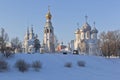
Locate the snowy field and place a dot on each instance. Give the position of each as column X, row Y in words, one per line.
column 96, row 68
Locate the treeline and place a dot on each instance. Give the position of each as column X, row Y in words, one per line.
column 7, row 47
column 110, row 43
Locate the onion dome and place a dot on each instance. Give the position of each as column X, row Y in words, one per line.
column 77, row 31
column 82, row 29
column 48, row 15
column 87, row 27
column 94, row 30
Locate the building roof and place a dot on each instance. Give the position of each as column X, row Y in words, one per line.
column 86, row 27
column 77, row 31
column 94, row 30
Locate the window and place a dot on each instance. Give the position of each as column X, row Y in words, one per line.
column 50, row 31
column 47, row 30
column 87, row 35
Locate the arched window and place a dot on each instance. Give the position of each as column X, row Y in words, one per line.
column 88, row 35
column 47, row 30
column 82, row 35
column 50, row 31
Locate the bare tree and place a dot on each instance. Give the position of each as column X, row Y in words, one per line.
column 110, row 43
column 16, row 44
column 117, row 42
column 103, row 43
column 3, row 40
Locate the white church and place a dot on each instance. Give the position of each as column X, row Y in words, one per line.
column 86, row 41
column 49, row 39
column 31, row 42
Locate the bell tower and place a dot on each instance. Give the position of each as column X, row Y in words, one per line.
column 48, row 39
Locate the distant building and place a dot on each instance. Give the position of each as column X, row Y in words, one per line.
column 9, row 48
column 86, row 41
column 60, row 47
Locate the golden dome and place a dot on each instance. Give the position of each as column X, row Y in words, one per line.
column 48, row 15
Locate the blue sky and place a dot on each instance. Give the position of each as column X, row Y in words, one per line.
column 17, row 15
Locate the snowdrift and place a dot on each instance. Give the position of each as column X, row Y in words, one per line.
column 96, row 68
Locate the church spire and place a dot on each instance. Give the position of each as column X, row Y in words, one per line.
column 49, row 8
column 86, row 18
column 27, row 30
column 78, row 25
column 31, row 29
column 31, row 35
column 94, row 23
column 27, row 34
column 94, row 30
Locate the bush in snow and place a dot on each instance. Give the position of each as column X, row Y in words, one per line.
column 37, row 65
column 22, row 65
column 81, row 63
column 8, row 54
column 3, row 65
column 68, row 65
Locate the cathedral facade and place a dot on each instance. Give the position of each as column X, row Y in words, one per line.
column 31, row 42
column 86, row 41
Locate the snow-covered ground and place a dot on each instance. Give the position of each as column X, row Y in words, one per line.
column 97, row 68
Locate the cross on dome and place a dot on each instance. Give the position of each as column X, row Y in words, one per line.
column 86, row 17
column 78, row 25
column 49, row 8
column 94, row 23
column 48, row 15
